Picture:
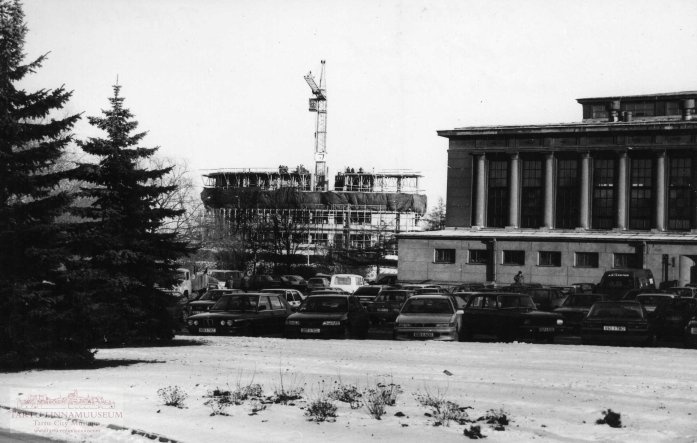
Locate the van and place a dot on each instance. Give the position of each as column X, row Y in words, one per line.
column 346, row 282
column 618, row 282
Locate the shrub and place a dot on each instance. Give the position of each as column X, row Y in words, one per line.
column 375, row 403
column 474, row 432
column 173, row 396
column 321, row 410
column 347, row 394
column 287, row 391
column 442, row 411
column 610, row 418
column 498, row 419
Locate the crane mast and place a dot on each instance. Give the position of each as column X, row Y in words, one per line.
column 318, row 104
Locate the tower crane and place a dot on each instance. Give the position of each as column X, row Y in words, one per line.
column 318, row 104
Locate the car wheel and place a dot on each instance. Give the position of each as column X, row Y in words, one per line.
column 651, row 342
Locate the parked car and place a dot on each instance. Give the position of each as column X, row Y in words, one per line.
column 461, row 298
column 470, row 287
column 225, row 278
column 508, row 316
column 329, row 315
column 316, row 283
column 294, row 282
column 329, row 291
column 575, row 308
column 690, row 333
column 651, row 301
column 687, row 291
column 617, row 322
column 292, row 296
column 632, row 294
column 672, row 316
column 208, row 299
column 617, row 282
column 386, row 279
column 431, row 290
column 367, row 294
column 546, row 299
column 386, row 306
column 243, row 314
column 583, row 288
column 261, row 281
column 434, row 317
column 347, row 282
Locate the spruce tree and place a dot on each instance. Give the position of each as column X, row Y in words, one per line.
column 129, row 257
column 40, row 322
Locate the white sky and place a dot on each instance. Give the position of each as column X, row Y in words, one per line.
column 220, row 82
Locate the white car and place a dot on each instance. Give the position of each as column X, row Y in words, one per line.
column 292, row 296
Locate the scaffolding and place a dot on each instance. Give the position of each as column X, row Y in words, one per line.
column 364, row 209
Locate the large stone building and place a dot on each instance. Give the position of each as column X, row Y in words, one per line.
column 565, row 202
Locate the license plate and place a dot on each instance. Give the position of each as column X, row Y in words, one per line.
column 207, row 330
column 423, row 334
column 546, row 329
column 309, row 330
column 383, row 309
column 693, row 331
column 615, row 328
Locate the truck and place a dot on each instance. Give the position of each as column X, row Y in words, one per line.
column 189, row 283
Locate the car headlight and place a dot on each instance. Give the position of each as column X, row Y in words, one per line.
column 222, row 322
column 331, row 323
column 229, row 322
column 195, row 322
column 191, row 322
column 560, row 322
column 293, row 322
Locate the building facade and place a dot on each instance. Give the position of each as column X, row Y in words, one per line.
column 563, row 203
column 363, row 209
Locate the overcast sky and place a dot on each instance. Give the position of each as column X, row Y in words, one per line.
column 220, row 83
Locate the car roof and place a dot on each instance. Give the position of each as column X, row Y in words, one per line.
column 331, row 295
column 618, row 302
column 435, row 296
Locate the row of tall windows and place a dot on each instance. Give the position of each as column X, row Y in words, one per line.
column 604, row 176
column 544, row 258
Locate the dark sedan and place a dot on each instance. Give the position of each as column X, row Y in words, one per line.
column 330, row 315
column 672, row 316
column 690, row 333
column 508, row 316
column 617, row 322
column 242, row 314
column 546, row 299
column 367, row 294
column 386, row 306
column 576, row 307
column 208, row 299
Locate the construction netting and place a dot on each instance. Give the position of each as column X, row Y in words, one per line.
column 291, row 198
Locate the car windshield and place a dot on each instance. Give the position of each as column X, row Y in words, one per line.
column 236, row 302
column 651, row 300
column 581, row 300
column 324, row 304
column 399, row 296
column 367, row 290
column 507, row 301
column 616, row 311
column 316, row 281
column 221, row 275
column 212, row 295
column 617, row 282
column 428, row 306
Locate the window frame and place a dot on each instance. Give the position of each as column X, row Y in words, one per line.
column 444, row 259
column 594, row 263
column 507, row 256
column 554, row 263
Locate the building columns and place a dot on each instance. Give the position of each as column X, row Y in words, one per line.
column 661, row 191
column 481, row 191
column 622, row 192
column 514, row 205
column 549, row 191
column 584, row 221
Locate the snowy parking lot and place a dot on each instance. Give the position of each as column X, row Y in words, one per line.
column 548, row 392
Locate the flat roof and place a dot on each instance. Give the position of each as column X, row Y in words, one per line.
column 656, row 96
column 552, row 235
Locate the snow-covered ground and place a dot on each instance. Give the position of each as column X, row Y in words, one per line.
column 549, row 392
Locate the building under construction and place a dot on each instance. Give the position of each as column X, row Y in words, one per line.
column 363, row 209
